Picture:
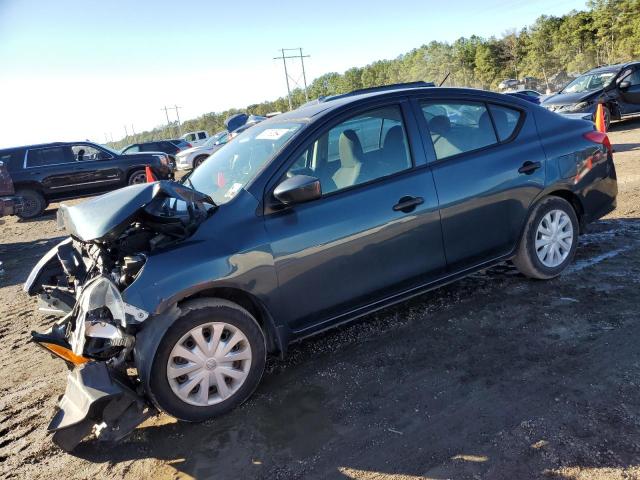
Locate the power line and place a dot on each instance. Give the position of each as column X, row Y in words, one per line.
column 288, row 77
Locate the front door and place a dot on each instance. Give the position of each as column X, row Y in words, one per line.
column 488, row 166
column 629, row 86
column 96, row 170
column 374, row 233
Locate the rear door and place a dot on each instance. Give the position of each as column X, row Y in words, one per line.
column 630, row 94
column 488, row 167
column 374, row 233
column 54, row 167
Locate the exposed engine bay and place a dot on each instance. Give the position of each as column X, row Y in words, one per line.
column 81, row 280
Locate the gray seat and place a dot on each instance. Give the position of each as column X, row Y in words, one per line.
column 351, row 156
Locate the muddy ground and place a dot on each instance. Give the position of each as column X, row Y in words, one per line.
column 495, row 376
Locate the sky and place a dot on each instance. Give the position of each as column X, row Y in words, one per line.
column 86, row 69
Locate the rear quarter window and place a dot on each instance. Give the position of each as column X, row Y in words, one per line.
column 506, row 120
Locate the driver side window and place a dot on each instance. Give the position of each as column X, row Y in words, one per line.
column 361, row 149
column 88, row 153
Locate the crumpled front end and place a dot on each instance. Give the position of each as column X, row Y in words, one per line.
column 82, row 279
column 96, row 339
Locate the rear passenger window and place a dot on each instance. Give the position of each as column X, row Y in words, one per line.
column 458, row 127
column 202, row 135
column 49, row 156
column 364, row 148
column 505, row 119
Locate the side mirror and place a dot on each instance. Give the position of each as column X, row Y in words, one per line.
column 298, row 189
column 624, row 85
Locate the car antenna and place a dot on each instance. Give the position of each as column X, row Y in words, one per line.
column 444, row 79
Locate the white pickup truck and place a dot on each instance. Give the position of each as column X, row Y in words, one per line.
column 195, row 138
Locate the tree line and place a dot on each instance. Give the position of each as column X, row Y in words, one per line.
column 548, row 52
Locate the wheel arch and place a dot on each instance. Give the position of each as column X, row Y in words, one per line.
column 574, row 201
column 274, row 336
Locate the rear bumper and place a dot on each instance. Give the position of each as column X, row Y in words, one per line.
column 96, row 396
column 10, row 205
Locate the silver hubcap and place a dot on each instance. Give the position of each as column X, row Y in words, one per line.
column 554, row 238
column 209, row 364
column 138, row 178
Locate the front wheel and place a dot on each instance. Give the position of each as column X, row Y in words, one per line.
column 137, row 177
column 549, row 240
column 199, row 160
column 208, row 362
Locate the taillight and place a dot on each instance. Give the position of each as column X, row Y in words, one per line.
column 189, row 145
column 599, row 137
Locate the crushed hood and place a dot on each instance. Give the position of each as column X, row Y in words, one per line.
column 106, row 215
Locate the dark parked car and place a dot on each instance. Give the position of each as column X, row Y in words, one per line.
column 171, row 147
column 59, row 171
column 617, row 87
column 528, row 95
column 305, row 221
column 10, row 204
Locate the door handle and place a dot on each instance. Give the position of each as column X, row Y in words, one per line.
column 529, row 167
column 407, row 204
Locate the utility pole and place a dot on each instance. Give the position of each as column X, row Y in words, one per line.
column 284, row 59
column 304, row 76
column 176, row 107
column 166, row 112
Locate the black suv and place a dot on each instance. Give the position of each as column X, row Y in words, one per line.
column 617, row 87
column 60, row 171
column 170, row 147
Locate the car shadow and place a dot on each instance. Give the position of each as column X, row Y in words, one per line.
column 493, row 376
column 20, row 257
column 48, row 214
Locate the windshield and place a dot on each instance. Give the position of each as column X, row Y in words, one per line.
column 214, row 139
column 110, row 150
column 588, row 82
column 232, row 167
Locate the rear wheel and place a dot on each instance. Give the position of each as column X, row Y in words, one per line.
column 208, row 362
column 549, row 240
column 139, row 176
column 33, row 203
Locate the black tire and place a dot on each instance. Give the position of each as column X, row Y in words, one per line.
column 198, row 160
column 607, row 118
column 194, row 313
column 135, row 176
column 526, row 259
column 33, row 203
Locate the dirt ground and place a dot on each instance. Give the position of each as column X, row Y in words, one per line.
column 495, row 376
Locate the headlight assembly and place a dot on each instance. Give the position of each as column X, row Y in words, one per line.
column 577, row 107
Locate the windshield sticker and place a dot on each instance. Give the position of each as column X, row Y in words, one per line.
column 272, row 133
column 233, row 190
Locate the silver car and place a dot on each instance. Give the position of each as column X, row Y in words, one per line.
column 192, row 157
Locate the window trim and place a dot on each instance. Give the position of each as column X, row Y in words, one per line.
column 26, row 157
column 401, row 103
column 426, row 133
column 66, row 145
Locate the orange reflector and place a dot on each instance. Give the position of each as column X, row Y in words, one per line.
column 65, row 353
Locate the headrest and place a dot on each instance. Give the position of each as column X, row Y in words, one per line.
column 439, row 125
column 350, row 149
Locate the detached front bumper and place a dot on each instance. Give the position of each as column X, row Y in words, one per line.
column 97, row 397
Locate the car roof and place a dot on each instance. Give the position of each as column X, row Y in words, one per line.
column 52, row 144
column 316, row 108
column 612, row 68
